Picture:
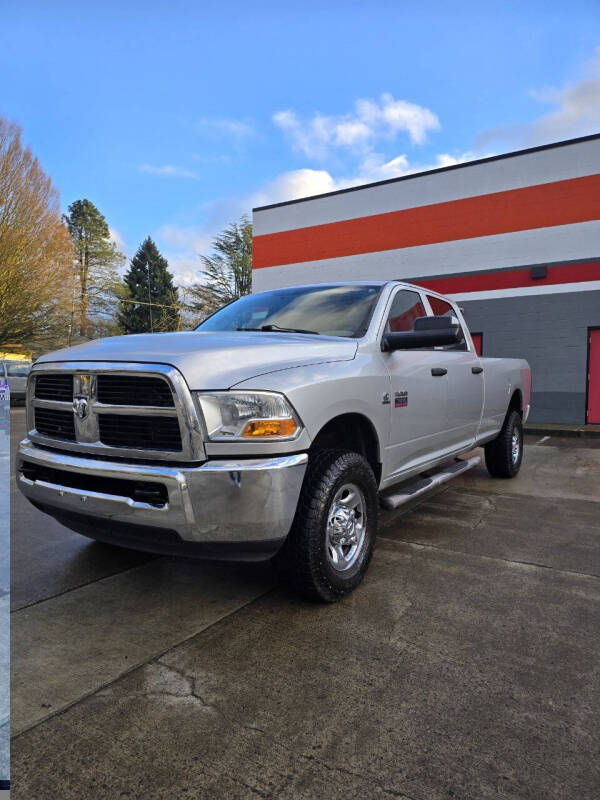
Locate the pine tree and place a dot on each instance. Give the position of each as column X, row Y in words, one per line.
column 149, row 282
column 228, row 271
column 97, row 259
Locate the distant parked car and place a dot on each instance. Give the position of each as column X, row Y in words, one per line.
column 16, row 373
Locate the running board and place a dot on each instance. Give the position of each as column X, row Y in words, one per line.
column 421, row 484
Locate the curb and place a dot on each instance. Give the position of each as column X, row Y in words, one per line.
column 587, row 432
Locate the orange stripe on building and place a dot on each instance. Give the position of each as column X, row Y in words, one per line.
column 542, row 206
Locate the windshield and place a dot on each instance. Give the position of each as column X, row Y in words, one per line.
column 329, row 310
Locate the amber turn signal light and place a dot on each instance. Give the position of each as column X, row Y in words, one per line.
column 263, row 428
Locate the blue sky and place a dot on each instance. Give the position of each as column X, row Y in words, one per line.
column 174, row 118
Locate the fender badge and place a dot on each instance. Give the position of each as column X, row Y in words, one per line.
column 400, row 399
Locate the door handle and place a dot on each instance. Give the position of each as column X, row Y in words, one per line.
column 437, row 372
column 476, row 370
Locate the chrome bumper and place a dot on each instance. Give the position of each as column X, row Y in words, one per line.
column 245, row 501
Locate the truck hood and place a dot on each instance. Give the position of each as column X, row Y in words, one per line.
column 215, row 360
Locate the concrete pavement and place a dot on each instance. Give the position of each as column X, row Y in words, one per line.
column 464, row 667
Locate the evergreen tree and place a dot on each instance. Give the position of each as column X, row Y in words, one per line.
column 97, row 259
column 228, row 271
column 149, row 282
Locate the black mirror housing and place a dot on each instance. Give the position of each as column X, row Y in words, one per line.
column 427, row 332
column 422, row 324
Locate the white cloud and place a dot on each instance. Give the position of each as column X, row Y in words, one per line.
column 370, row 121
column 294, row 184
column 236, row 128
column 576, row 113
column 167, row 171
column 181, row 246
column 188, row 237
column 308, row 182
column 116, row 238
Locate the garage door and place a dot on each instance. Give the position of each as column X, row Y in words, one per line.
column 593, row 410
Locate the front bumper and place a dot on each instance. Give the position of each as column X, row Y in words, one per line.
column 223, row 507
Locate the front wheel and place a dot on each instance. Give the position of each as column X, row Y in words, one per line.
column 330, row 545
column 504, row 454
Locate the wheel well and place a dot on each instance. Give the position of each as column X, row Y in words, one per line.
column 516, row 402
column 353, row 432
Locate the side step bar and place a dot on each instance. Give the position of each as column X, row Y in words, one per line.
column 422, row 484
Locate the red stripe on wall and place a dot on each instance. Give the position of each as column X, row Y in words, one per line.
column 512, row 279
column 542, row 206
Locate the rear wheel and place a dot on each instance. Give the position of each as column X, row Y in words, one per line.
column 333, row 534
column 503, row 456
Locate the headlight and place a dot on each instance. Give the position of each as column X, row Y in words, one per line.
column 247, row 416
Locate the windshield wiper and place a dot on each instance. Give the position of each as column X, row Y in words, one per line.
column 278, row 329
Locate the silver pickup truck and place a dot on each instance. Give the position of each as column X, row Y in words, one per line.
column 273, row 430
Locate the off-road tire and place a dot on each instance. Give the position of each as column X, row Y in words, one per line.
column 499, row 452
column 303, row 561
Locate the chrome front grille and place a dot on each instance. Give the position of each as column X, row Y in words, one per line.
column 120, row 409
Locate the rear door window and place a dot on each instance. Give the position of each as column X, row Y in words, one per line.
column 440, row 307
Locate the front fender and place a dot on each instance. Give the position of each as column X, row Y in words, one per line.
column 323, row 391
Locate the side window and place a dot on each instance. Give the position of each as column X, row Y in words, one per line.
column 406, row 307
column 441, row 308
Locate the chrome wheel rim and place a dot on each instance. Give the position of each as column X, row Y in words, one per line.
column 515, row 446
column 346, row 527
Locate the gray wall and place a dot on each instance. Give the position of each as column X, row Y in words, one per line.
column 551, row 332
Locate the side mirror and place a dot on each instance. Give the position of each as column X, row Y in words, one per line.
column 427, row 332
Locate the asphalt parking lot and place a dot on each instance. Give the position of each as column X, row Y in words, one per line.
column 466, row 665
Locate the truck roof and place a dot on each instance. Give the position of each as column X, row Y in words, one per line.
column 395, row 281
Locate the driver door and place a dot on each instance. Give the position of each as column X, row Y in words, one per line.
column 419, row 397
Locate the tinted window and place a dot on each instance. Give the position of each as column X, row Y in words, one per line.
column 17, row 369
column 406, row 307
column 330, row 310
column 441, row 308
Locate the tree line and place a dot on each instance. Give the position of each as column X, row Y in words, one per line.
column 62, row 278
